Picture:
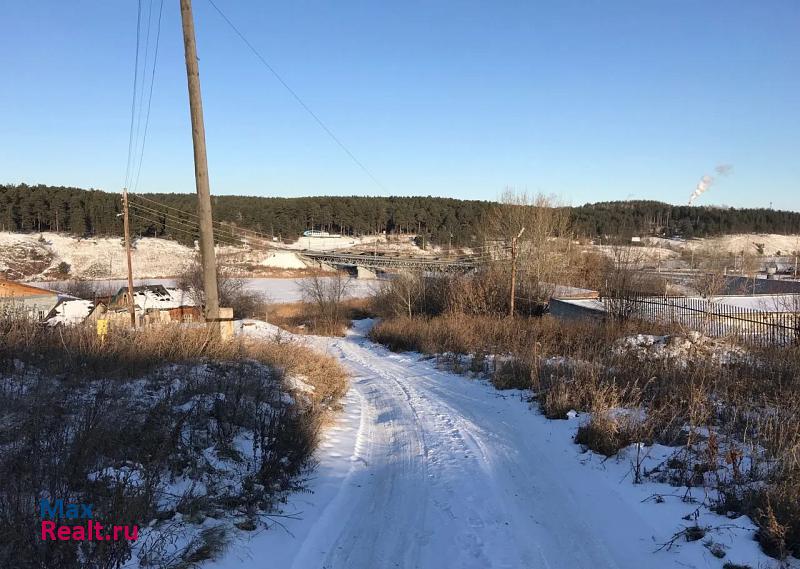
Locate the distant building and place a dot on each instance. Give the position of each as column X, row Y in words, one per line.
column 318, row 233
column 26, row 301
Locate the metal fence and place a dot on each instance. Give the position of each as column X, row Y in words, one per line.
column 713, row 318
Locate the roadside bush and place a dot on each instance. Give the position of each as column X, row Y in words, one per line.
column 165, row 428
column 325, row 299
column 606, row 434
column 301, row 317
column 729, row 411
column 512, row 374
column 483, row 293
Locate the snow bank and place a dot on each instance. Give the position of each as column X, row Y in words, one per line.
column 684, row 349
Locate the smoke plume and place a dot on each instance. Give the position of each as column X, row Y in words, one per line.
column 707, row 181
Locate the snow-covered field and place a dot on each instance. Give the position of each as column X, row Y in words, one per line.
column 426, row 469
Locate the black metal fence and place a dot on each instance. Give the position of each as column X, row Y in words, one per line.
column 778, row 326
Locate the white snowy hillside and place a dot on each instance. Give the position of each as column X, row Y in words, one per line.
column 42, row 256
column 773, row 244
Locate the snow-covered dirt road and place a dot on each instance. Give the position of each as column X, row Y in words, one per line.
column 430, row 470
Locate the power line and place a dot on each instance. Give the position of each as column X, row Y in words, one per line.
column 219, row 233
column 297, row 98
column 133, row 99
column 142, row 88
column 166, row 215
column 192, row 231
column 221, row 224
column 164, row 218
column 150, row 95
column 183, row 211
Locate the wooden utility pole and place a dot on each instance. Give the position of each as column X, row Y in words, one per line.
column 514, row 241
column 127, row 226
column 200, row 167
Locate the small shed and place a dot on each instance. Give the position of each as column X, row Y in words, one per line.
column 154, row 304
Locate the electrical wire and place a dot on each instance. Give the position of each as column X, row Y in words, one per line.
column 133, row 98
column 158, row 217
column 142, row 88
column 187, row 224
column 191, row 231
column 297, row 97
column 150, row 95
column 221, row 224
column 172, row 217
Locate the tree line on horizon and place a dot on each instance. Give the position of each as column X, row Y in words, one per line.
column 26, row 208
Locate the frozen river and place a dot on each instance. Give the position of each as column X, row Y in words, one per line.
column 275, row 290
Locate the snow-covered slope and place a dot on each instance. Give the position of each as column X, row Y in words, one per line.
column 774, row 244
column 38, row 257
column 429, row 470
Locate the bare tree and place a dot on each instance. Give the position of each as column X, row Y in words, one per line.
column 713, row 263
column 625, row 279
column 403, row 293
column 531, row 229
column 326, row 295
column 232, row 291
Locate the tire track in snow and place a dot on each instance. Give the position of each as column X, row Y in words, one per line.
column 447, row 473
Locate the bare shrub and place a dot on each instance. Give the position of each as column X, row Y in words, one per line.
column 301, row 318
column 233, row 292
column 151, row 405
column 325, row 297
column 557, row 401
column 771, row 533
column 606, row 434
column 713, row 263
column 512, row 374
column 532, row 230
column 86, row 289
column 624, row 277
column 734, row 424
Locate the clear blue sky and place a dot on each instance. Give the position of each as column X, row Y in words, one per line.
column 589, row 100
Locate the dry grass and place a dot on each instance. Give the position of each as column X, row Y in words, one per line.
column 157, row 400
column 303, row 318
column 749, row 404
column 319, row 370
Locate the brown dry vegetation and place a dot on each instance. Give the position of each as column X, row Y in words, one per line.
column 751, row 458
column 303, row 318
column 156, row 402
